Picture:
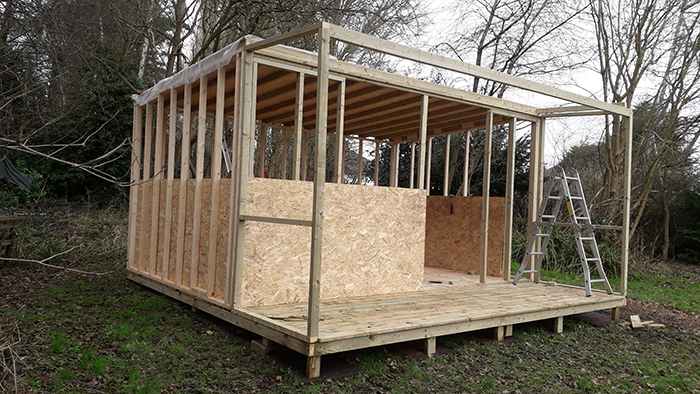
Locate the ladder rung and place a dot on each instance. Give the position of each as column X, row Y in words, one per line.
column 548, row 216
column 581, row 217
column 542, row 235
column 587, row 238
column 535, row 253
column 571, row 177
column 529, row 271
column 592, row 259
column 554, row 197
column 596, row 280
column 576, row 198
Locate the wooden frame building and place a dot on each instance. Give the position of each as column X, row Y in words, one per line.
column 240, row 227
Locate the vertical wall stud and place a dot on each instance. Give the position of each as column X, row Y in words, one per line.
column 413, row 165
column 170, row 174
column 446, row 179
column 510, row 179
column 376, row 163
column 626, row 195
column 158, row 164
column 298, row 125
column 359, row 162
column 485, row 198
column 339, row 134
column 422, row 140
column 465, row 181
column 199, row 179
column 184, row 179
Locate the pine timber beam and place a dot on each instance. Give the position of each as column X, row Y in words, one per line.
column 387, row 47
column 136, row 140
column 510, row 182
column 486, row 190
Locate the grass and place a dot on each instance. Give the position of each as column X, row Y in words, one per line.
column 85, row 333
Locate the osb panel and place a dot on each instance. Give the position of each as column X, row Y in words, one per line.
column 189, row 223
column 137, row 229
column 204, row 235
column 161, row 227
column 373, row 242
column 172, row 258
column 222, row 238
column 145, row 248
column 453, row 240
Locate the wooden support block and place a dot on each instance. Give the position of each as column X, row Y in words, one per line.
column 636, row 322
column 499, row 333
column 615, row 314
column 656, row 325
column 430, row 346
column 313, row 367
column 509, row 330
column 262, row 347
column 559, row 324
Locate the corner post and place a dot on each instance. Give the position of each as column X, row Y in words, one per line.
column 627, row 192
column 135, row 177
column 533, row 192
column 247, row 129
column 446, row 175
column 319, row 184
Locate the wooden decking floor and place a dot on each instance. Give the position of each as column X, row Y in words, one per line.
column 500, row 303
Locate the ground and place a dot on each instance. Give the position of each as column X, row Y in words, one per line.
column 72, row 332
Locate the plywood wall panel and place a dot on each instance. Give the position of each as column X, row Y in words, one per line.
column 453, row 240
column 373, row 242
column 145, row 248
column 189, row 224
column 204, row 235
column 172, row 259
column 222, row 238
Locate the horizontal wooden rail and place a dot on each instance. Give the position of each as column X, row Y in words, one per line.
column 268, row 219
column 597, row 226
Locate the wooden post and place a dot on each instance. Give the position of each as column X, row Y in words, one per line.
column 167, row 228
column 499, row 333
column 247, row 130
column 626, row 195
column 313, row 367
column 413, row 165
column 199, row 177
column 540, row 185
column 146, row 186
column 298, row 125
column 136, row 134
column 339, row 136
column 559, row 324
column 430, row 345
column 184, row 177
column 158, row 163
column 429, row 160
column 216, row 179
column 233, row 223
column 509, row 330
column 615, row 314
column 422, row 140
column 485, row 198
column 376, row 163
column 359, row 162
column 319, row 187
column 262, row 144
column 394, row 167
column 284, row 153
column 533, row 190
column 445, row 185
column 465, row 185
column 510, row 180
column 304, row 152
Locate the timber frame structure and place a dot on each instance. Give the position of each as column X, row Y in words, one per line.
column 202, row 231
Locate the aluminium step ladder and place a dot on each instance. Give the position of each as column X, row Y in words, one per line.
column 556, row 191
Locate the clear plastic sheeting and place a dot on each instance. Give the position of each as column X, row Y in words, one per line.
column 194, row 72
